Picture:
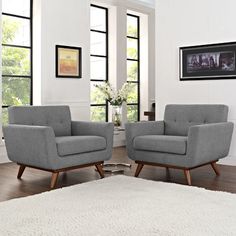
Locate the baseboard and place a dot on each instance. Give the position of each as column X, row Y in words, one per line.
column 119, row 143
column 228, row 161
column 3, row 154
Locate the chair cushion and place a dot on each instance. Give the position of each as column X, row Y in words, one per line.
column 69, row 145
column 161, row 143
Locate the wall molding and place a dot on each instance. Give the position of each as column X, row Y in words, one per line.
column 71, row 103
column 228, row 161
column 3, row 154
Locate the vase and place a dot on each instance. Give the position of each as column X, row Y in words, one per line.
column 117, row 116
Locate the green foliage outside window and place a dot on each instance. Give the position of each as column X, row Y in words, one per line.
column 15, row 61
column 132, row 31
column 132, row 67
column 98, row 113
column 132, row 113
column 132, row 71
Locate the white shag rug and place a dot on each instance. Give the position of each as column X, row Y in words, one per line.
column 121, row 205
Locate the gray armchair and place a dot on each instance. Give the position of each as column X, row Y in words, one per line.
column 44, row 137
column 190, row 136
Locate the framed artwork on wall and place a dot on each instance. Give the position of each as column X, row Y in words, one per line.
column 208, row 62
column 68, row 62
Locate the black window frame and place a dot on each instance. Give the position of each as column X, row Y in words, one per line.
column 102, row 56
column 138, row 64
column 30, row 47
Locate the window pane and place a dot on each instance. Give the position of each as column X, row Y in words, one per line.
column 98, row 68
column 133, row 95
column 132, row 26
column 15, row 31
column 132, row 113
column 98, row 113
column 132, row 48
column 15, row 91
column 16, row 7
column 98, row 19
column 98, row 43
column 4, row 116
column 96, row 96
column 15, row 61
column 132, row 70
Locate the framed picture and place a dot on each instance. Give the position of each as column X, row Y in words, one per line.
column 208, row 62
column 68, row 62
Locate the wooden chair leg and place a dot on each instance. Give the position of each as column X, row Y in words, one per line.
column 215, row 168
column 54, row 179
column 100, row 170
column 188, row 176
column 21, row 171
column 138, row 170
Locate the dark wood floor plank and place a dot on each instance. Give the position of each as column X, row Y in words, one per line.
column 36, row 181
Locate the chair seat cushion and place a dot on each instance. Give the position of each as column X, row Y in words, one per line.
column 161, row 143
column 69, row 145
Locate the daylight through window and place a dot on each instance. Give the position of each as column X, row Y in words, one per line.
column 16, row 54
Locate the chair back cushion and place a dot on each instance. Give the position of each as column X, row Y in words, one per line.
column 57, row 117
column 178, row 118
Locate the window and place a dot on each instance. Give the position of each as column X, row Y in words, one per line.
column 133, row 67
column 98, row 61
column 16, row 54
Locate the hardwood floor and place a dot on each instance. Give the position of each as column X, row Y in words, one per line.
column 35, row 181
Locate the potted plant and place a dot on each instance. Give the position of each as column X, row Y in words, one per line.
column 116, row 99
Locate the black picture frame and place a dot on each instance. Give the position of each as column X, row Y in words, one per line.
column 68, row 62
column 208, row 62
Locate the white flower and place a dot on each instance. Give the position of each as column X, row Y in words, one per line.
column 115, row 98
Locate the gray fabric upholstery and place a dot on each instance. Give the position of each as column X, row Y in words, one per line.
column 209, row 142
column 163, row 158
column 32, row 145
column 69, row 145
column 208, row 136
column 161, row 143
column 36, row 145
column 102, row 129
column 178, row 118
column 57, row 117
column 133, row 130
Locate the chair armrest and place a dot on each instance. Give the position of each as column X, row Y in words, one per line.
column 31, row 145
column 103, row 129
column 209, row 142
column 133, row 130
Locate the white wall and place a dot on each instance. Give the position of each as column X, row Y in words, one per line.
column 62, row 23
column 183, row 23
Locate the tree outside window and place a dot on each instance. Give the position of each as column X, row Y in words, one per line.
column 16, row 55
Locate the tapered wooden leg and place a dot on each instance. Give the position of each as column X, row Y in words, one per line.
column 100, row 170
column 138, row 170
column 188, row 176
column 21, row 171
column 54, row 179
column 215, row 168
